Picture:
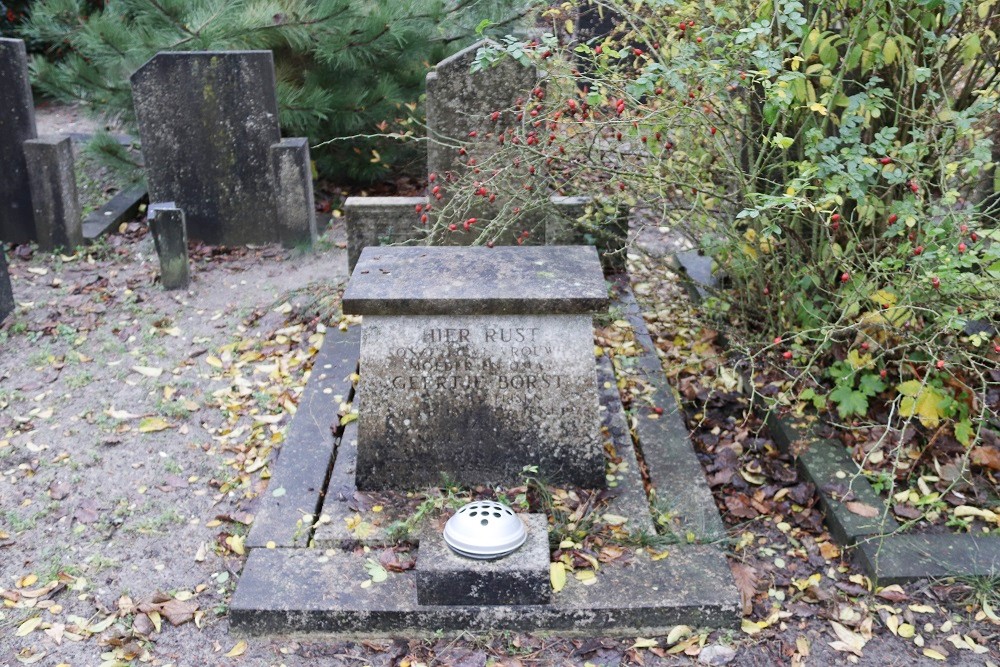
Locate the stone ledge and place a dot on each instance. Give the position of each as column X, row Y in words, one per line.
column 121, row 208
column 309, row 590
column 510, row 280
column 899, row 559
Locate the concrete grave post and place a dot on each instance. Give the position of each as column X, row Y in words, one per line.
column 52, row 176
column 17, row 125
column 169, row 230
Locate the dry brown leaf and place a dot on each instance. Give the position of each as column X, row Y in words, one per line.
column 746, row 583
column 861, row 509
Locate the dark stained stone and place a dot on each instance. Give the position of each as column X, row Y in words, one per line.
column 170, row 238
column 463, row 281
column 6, row 294
column 899, row 559
column 207, row 121
column 123, row 207
column 17, row 125
column 522, row 578
column 58, row 218
column 310, row 590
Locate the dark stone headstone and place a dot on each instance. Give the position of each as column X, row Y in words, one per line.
column 207, row 121
column 17, row 125
column 6, row 293
column 476, row 362
column 51, row 173
column 170, row 237
column 291, row 173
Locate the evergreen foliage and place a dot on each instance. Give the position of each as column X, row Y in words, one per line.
column 345, row 68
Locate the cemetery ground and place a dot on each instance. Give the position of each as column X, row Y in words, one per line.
column 139, row 426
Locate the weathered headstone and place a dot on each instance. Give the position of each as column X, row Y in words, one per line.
column 460, row 104
column 6, row 293
column 208, row 121
column 476, row 362
column 52, row 176
column 17, row 125
column 375, row 221
column 169, row 230
column 291, row 173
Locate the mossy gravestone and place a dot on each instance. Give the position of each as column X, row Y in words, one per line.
column 477, row 362
column 17, row 125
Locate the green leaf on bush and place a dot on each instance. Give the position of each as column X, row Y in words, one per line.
column 871, row 385
column 849, row 402
column 964, row 432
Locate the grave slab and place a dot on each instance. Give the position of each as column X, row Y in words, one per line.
column 207, row 121
column 310, row 590
column 17, row 125
column 900, row 559
column 305, row 457
column 522, row 578
column 51, row 174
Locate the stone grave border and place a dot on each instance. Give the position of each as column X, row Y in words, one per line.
column 289, row 535
column 886, row 556
column 122, row 207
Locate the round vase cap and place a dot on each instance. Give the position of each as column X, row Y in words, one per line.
column 484, row 529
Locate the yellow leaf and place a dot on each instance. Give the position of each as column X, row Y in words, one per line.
column 154, row 617
column 884, row 298
column 28, row 626
column 238, row 650
column 818, row 108
column 752, row 627
column 931, row 653
column 858, row 361
column 906, row 630
column 235, row 542
column 27, row 580
column 148, row 371
column 557, row 575
column 152, row 424
column 678, row 633
column 586, row 577
column 642, row 642
column 925, row 406
column 569, row 26
column 215, row 362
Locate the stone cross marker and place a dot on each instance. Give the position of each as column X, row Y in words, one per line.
column 476, row 362
column 17, row 125
column 209, row 128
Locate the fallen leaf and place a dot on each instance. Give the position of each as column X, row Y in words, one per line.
column 642, row 642
column 557, row 575
column 28, row 626
column 148, row 371
column 152, row 424
column 238, row 650
column 746, row 582
column 931, row 653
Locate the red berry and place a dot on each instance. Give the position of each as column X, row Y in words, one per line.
column 886, row 160
column 658, row 410
column 973, row 237
column 698, row 40
column 423, row 218
column 777, row 340
column 919, row 249
column 453, row 227
column 844, row 277
column 835, row 217
column 892, row 218
column 787, row 354
column 489, row 244
column 882, row 373
column 637, row 51
column 864, row 346
column 963, row 228
column 940, row 364
column 767, row 290
column 996, row 348
column 713, row 130
column 936, row 282
column 470, row 221
column 962, row 247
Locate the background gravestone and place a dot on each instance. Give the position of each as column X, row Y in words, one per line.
column 460, row 101
column 207, row 122
column 52, row 176
column 6, row 294
column 17, row 125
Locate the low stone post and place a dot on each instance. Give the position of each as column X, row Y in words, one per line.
column 58, row 219
column 170, row 237
column 291, row 172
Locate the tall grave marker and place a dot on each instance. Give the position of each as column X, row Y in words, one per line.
column 476, row 362
column 17, row 125
column 211, row 141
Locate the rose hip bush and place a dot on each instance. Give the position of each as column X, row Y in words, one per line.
column 823, row 154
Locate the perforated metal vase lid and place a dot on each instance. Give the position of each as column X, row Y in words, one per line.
column 485, row 530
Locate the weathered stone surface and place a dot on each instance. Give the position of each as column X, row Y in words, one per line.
column 123, row 207
column 170, row 238
column 17, row 125
column 900, row 559
column 476, row 398
column 522, row 578
column 460, row 102
column 56, row 203
column 291, row 172
column 308, row 590
column 462, row 281
column 828, row 465
column 377, row 221
column 300, row 471
column 207, row 122
column 675, row 473
column 6, row 293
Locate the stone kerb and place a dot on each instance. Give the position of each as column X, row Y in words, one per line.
column 17, row 125
column 476, row 362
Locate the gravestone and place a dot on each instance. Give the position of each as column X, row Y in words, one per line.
column 6, row 293
column 476, row 362
column 209, row 128
column 167, row 224
column 17, row 125
column 52, row 176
